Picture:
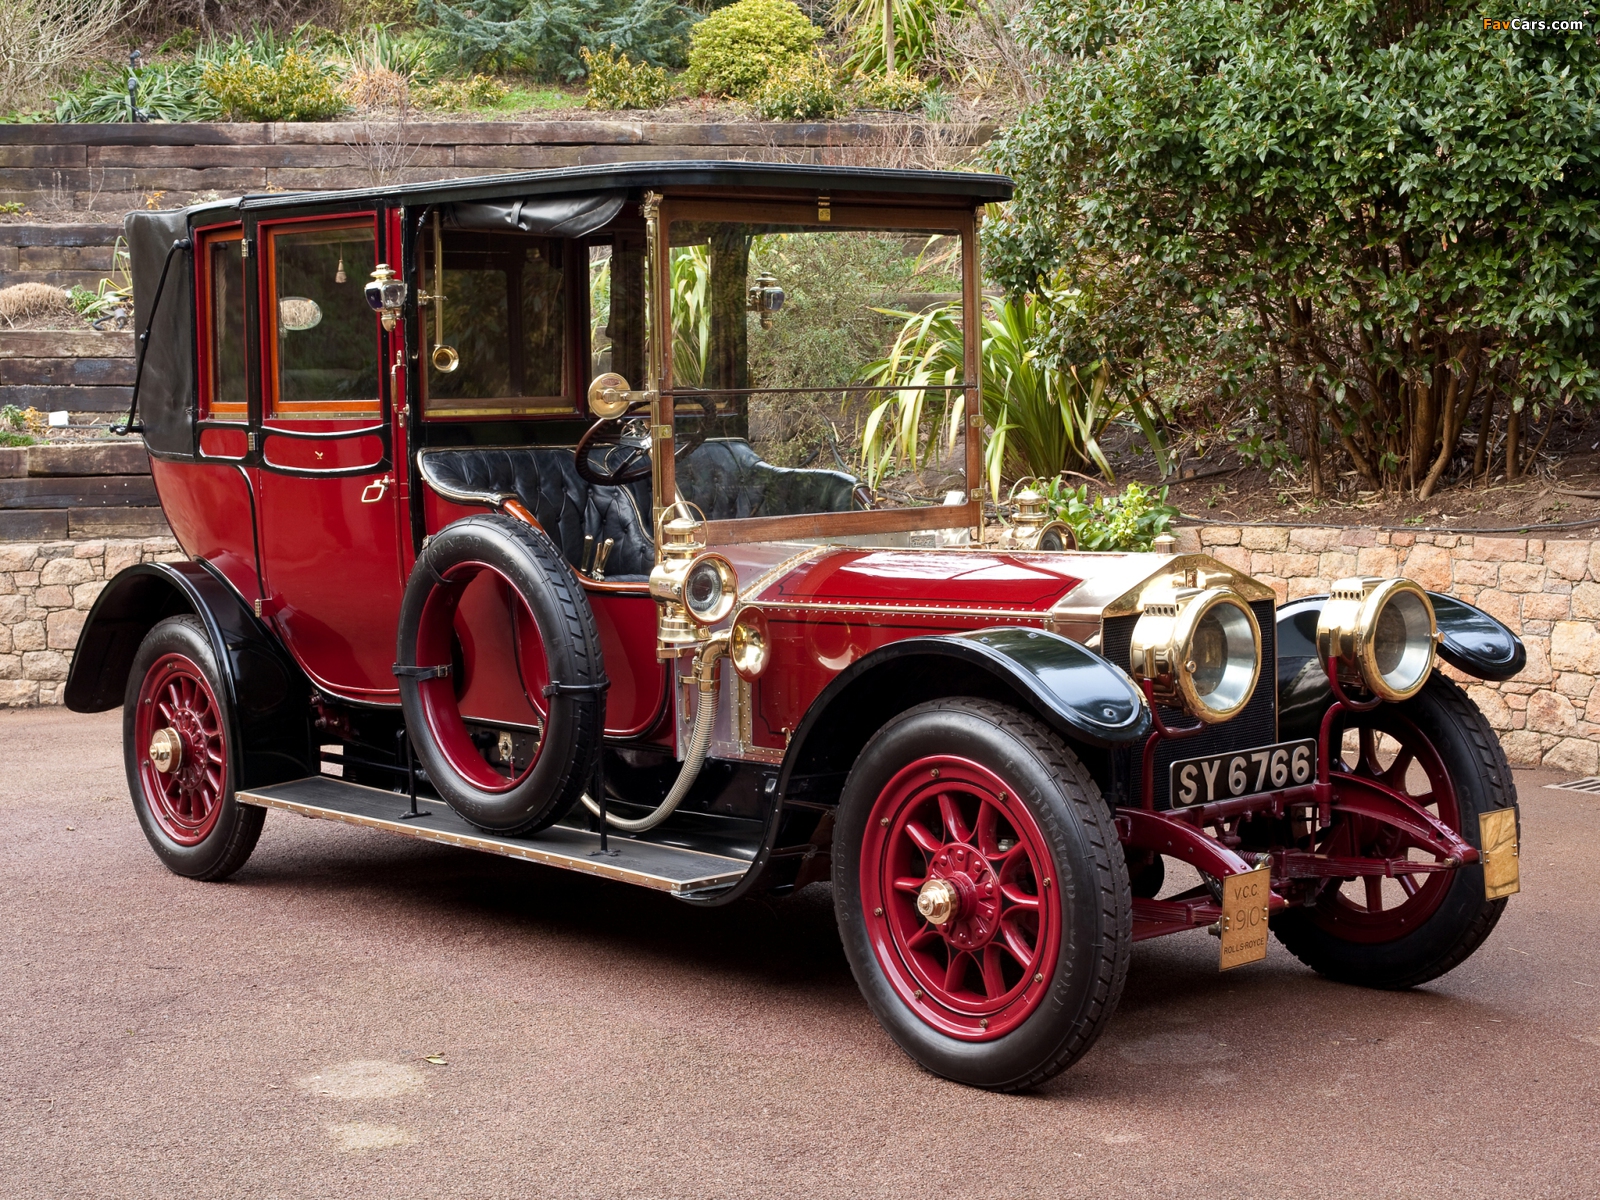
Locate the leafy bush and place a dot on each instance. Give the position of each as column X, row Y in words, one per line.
column 167, row 91
column 1130, row 521
column 1335, row 207
column 732, row 51
column 897, row 93
column 804, row 90
column 297, row 88
column 546, row 38
column 915, row 31
column 617, row 82
column 453, row 95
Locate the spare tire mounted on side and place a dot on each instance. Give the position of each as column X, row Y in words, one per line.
column 529, row 796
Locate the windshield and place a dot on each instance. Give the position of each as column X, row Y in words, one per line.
column 795, row 387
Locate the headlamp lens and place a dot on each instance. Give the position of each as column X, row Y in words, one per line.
column 1222, row 657
column 1402, row 642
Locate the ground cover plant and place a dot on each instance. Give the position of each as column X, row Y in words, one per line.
column 735, row 49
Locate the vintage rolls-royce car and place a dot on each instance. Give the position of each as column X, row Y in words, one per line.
column 517, row 519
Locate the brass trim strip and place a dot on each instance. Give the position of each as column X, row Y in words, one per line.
column 752, row 593
column 582, row 864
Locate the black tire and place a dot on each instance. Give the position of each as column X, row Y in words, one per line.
column 230, row 832
column 1472, row 757
column 571, row 738
column 1091, row 892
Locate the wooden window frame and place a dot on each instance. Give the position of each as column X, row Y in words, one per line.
column 210, row 408
column 272, row 407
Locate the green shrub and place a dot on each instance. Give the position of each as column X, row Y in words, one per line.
column 298, row 88
column 167, row 91
column 806, row 90
column 897, row 93
column 1130, row 521
column 546, row 38
column 732, row 51
column 453, row 95
column 617, row 82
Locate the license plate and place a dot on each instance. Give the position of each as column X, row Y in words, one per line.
column 1243, row 772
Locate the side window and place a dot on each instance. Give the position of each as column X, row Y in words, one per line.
column 616, row 309
column 322, row 344
column 504, row 314
column 223, row 339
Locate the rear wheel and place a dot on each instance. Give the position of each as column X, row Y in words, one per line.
column 981, row 894
column 177, row 749
column 1400, row 932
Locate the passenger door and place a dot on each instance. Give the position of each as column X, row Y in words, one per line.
column 329, row 512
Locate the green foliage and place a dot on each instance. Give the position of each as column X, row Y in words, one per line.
column 616, row 82
column 805, row 89
column 296, row 88
column 735, row 49
column 914, row 32
column 11, row 208
column 1356, row 218
column 454, row 95
column 167, row 91
column 112, row 297
column 1130, row 521
column 9, row 439
column 546, row 37
column 1046, row 417
column 897, row 93
column 691, row 315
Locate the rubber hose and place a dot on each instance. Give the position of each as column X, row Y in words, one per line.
column 705, row 718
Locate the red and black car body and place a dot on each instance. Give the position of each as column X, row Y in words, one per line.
column 442, row 553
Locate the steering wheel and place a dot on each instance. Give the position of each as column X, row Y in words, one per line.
column 635, row 464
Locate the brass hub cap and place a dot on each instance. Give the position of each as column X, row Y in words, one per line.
column 166, row 750
column 937, row 901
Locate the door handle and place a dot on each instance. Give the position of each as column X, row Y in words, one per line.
column 375, row 490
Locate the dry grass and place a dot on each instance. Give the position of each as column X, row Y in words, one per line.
column 23, row 300
column 43, row 42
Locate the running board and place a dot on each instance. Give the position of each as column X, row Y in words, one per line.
column 664, row 868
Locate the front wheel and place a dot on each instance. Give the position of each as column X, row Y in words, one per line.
column 1403, row 931
column 177, row 735
column 981, row 893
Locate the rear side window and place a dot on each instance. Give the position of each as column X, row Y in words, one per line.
column 322, row 339
column 222, row 264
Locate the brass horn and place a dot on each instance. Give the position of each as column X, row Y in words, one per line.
column 445, row 359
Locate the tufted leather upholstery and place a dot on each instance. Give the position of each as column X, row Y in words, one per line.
column 728, row 480
column 544, row 479
column 724, row 477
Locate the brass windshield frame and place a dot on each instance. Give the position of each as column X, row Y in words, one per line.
column 960, row 220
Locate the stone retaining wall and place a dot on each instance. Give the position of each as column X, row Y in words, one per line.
column 1547, row 589
column 46, row 591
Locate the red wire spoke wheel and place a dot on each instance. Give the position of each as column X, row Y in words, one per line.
column 183, row 778
column 1403, row 931
column 960, row 869
column 981, row 892
column 1389, row 750
column 177, row 732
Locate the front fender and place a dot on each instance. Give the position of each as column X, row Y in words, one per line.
column 1470, row 640
column 268, row 694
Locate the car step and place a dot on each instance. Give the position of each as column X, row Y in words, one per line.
column 664, row 868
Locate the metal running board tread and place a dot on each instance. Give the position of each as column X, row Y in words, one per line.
column 664, row 868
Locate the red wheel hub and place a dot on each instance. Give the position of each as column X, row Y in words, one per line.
column 957, row 882
column 182, row 747
column 1393, row 752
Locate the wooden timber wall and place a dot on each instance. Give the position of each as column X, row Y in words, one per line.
column 107, row 169
column 84, row 373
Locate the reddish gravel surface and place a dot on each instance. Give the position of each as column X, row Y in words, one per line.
column 269, row 1036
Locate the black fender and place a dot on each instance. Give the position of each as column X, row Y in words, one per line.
column 1088, row 700
column 1470, row 640
column 269, row 696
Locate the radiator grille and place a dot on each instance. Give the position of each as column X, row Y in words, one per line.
column 1257, row 725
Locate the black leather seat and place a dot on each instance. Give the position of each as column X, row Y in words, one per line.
column 568, row 506
column 724, row 477
column 728, row 480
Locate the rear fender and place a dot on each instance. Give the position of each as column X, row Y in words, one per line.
column 1085, row 698
column 268, row 693
column 1470, row 640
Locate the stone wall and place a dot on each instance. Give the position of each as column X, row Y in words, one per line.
column 1546, row 589
column 46, row 591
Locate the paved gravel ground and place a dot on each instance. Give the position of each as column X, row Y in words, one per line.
column 270, row 1036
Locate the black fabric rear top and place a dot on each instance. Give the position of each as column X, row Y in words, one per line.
column 167, row 385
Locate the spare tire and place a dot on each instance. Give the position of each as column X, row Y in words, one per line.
column 516, row 798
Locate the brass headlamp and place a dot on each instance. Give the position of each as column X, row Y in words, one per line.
column 1382, row 632
column 1199, row 648
column 695, row 589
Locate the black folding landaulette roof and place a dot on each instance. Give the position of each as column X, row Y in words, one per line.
column 979, row 187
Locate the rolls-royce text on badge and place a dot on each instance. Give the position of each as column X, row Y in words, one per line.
column 1244, row 772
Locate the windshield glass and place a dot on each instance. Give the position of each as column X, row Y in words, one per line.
column 783, row 337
